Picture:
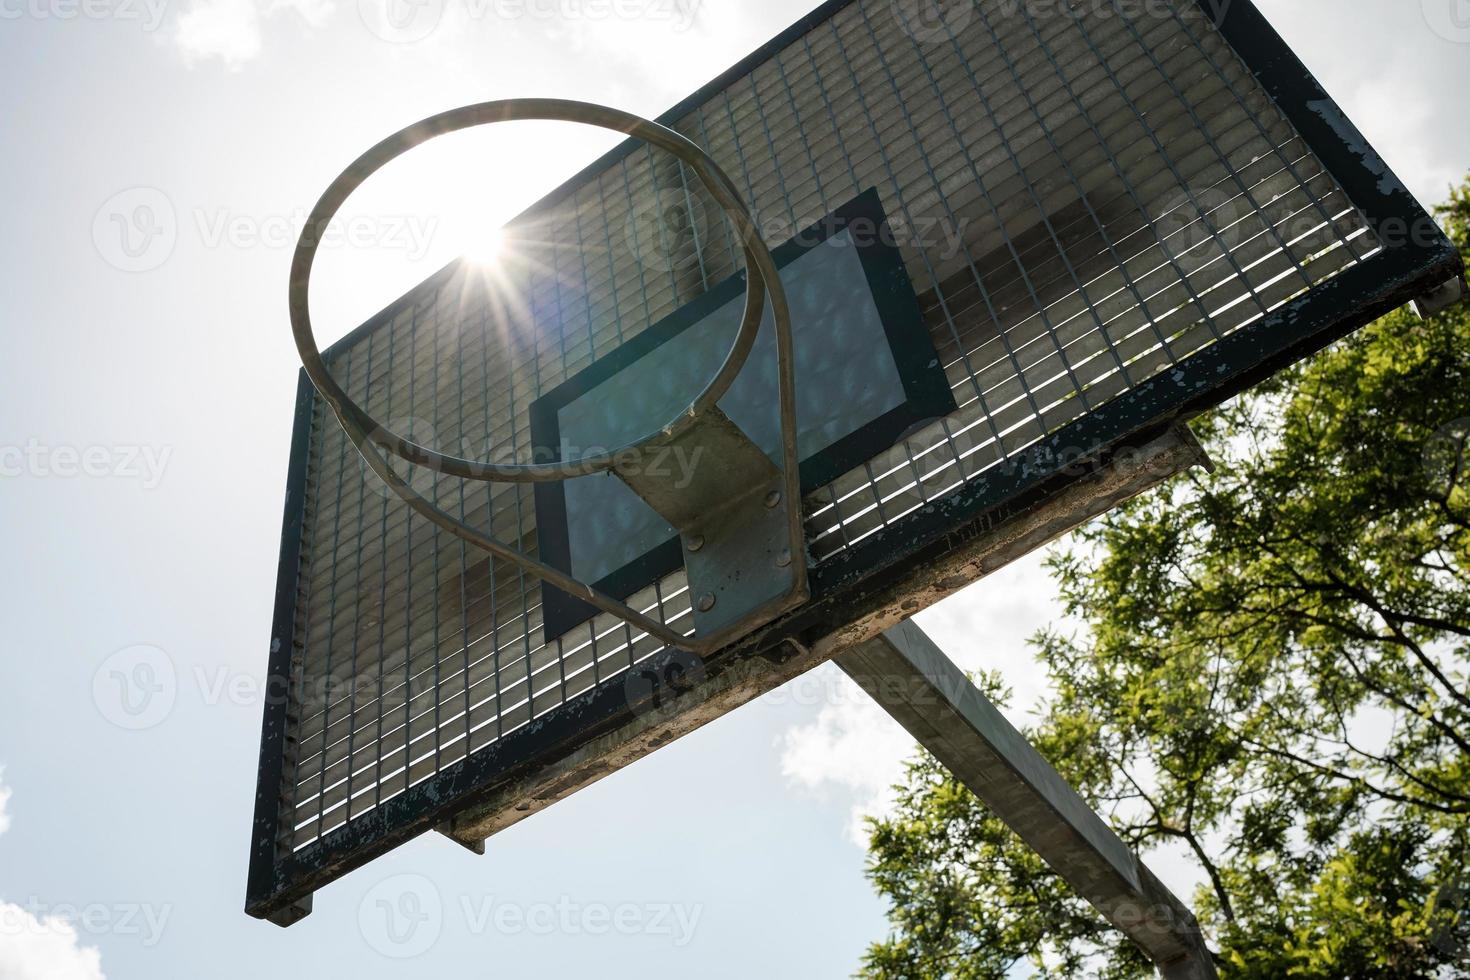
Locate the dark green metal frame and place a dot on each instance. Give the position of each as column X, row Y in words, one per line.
column 848, row 584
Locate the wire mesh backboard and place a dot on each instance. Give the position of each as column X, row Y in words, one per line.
column 1111, row 216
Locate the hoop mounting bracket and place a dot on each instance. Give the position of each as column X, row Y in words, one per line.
column 732, row 515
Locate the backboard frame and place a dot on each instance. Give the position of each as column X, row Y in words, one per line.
column 915, row 361
column 854, row 583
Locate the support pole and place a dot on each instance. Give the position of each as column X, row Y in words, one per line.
column 907, row 673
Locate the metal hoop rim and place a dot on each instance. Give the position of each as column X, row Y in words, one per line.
column 757, row 257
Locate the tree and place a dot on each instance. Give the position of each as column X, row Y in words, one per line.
column 1270, row 673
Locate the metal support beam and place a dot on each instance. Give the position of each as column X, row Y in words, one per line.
column 906, row 673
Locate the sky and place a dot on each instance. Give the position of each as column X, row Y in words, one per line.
column 158, row 158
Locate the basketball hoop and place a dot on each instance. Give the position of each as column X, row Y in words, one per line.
column 711, row 512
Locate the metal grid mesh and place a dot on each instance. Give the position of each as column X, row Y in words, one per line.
column 1081, row 201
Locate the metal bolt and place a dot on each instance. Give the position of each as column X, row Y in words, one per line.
column 707, row 602
column 783, row 559
column 773, row 498
column 695, row 543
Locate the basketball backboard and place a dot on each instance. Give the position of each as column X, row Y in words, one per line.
column 1019, row 242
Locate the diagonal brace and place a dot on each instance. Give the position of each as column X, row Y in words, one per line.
column 907, row 673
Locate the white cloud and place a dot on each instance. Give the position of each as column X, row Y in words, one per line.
column 40, row 948
column 4, row 799
column 44, row 948
column 1392, row 102
column 224, row 29
column 650, row 53
column 231, row 30
column 1403, row 127
column 853, row 747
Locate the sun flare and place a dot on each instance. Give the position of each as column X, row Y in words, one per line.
column 486, row 249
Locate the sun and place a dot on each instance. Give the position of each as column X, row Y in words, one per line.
column 485, row 249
